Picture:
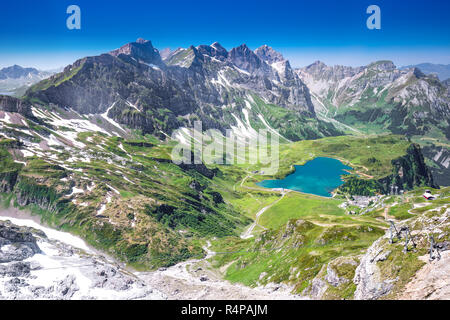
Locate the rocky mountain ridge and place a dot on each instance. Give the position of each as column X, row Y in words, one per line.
column 135, row 87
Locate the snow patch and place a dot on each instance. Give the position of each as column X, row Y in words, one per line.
column 51, row 233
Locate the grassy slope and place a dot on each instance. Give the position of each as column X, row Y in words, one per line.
column 153, row 241
column 331, row 234
column 131, row 226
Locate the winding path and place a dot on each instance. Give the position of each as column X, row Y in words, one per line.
column 248, row 233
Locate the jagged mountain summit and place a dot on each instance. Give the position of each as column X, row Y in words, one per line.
column 137, row 88
column 142, row 50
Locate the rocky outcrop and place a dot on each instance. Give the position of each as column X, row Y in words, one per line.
column 28, row 192
column 16, row 243
column 430, row 282
column 200, row 168
column 368, row 279
column 386, row 270
column 80, row 275
column 8, row 180
column 11, row 104
column 447, row 84
column 335, row 276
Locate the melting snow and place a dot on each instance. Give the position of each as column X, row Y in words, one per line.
column 114, row 123
column 51, row 233
column 241, row 129
column 75, row 190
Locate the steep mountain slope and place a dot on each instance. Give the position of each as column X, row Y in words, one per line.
column 15, row 80
column 136, row 88
column 122, row 196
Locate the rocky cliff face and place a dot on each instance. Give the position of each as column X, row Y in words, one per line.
column 441, row 158
column 136, row 88
column 409, row 171
column 11, row 104
column 20, row 242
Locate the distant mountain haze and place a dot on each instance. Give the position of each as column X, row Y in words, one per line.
column 14, row 80
column 441, row 70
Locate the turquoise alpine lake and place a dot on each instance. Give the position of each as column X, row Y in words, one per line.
column 319, row 176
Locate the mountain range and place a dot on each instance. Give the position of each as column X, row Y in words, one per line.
column 88, row 151
column 15, row 80
column 139, row 89
column 381, row 98
column 246, row 90
column 442, row 71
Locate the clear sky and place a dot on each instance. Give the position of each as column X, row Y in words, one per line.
column 34, row 33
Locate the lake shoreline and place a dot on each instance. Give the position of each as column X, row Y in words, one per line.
column 320, row 176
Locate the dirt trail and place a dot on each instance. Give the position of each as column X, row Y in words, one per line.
column 248, row 233
column 197, row 279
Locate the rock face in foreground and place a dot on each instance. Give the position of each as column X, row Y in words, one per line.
column 16, row 243
column 387, row 272
column 33, row 266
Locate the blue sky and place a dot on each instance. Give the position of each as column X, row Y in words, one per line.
column 34, row 33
